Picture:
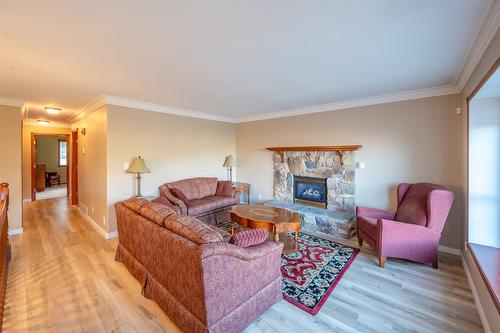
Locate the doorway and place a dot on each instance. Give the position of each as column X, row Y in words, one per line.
column 50, row 166
column 74, row 167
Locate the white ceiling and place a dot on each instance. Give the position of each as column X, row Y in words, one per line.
column 232, row 59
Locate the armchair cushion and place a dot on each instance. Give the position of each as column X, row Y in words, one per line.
column 224, row 188
column 413, row 207
column 374, row 213
column 250, row 237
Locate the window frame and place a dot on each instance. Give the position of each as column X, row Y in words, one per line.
column 59, row 152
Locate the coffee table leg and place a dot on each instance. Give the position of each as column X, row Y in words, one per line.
column 296, row 237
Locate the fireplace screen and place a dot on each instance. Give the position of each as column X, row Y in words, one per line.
column 310, row 191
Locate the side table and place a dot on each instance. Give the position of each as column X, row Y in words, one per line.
column 243, row 188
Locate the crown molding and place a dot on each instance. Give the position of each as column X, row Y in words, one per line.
column 359, row 102
column 135, row 104
column 489, row 27
column 11, row 102
column 130, row 103
column 88, row 109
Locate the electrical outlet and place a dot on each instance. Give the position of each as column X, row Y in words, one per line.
column 103, row 221
column 260, row 196
column 92, row 210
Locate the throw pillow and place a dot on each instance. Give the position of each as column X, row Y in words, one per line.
column 224, row 188
column 179, row 195
column 249, row 237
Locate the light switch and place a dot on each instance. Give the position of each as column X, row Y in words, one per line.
column 125, row 166
column 360, row 165
column 83, row 151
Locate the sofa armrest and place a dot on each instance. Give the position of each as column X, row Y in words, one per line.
column 396, row 237
column 233, row 275
column 245, row 254
column 236, row 193
column 165, row 191
column 375, row 213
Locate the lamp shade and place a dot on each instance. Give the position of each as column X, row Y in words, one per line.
column 229, row 162
column 138, row 166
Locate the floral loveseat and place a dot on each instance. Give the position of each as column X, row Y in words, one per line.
column 208, row 199
column 202, row 282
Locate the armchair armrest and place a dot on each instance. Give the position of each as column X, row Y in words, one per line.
column 405, row 240
column 375, row 213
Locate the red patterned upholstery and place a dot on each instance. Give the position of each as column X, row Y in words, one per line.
column 249, row 237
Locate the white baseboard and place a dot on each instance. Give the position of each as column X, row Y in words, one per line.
column 15, row 231
column 450, row 250
column 98, row 228
column 479, row 306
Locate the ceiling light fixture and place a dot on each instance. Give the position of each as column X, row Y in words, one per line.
column 52, row 110
column 43, row 122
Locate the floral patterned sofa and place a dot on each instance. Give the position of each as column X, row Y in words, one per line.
column 208, row 199
column 202, row 282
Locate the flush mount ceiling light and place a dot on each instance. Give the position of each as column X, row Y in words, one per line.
column 43, row 122
column 52, row 110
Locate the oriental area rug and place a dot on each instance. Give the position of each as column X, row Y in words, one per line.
column 310, row 274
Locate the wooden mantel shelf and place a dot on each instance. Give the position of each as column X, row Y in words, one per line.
column 340, row 149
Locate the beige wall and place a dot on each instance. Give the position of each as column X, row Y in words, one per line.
column 10, row 161
column 173, row 147
column 489, row 313
column 92, row 150
column 411, row 141
column 27, row 130
column 47, row 152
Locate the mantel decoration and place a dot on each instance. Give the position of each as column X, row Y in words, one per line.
column 230, row 164
column 138, row 166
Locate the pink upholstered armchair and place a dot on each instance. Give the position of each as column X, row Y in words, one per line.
column 413, row 232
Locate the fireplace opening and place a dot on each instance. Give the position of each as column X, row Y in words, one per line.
column 310, row 191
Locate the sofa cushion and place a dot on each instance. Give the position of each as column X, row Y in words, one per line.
column 413, row 207
column 156, row 212
column 249, row 237
column 192, row 229
column 135, row 204
column 195, row 188
column 224, row 188
column 178, row 193
column 209, row 204
column 164, row 201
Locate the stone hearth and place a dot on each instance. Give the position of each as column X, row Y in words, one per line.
column 339, row 170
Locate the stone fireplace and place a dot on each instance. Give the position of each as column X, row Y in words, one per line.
column 319, row 185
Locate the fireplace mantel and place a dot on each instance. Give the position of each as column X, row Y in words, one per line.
column 340, row 149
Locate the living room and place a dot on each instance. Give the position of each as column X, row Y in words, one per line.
column 360, row 95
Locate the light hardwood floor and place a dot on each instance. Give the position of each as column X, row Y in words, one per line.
column 63, row 278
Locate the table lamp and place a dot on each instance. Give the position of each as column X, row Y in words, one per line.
column 138, row 166
column 229, row 163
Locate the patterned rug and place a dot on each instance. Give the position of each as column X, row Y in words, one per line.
column 311, row 274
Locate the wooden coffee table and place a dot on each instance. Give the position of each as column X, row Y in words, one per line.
column 275, row 220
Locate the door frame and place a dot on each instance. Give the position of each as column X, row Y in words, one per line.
column 74, row 167
column 33, row 136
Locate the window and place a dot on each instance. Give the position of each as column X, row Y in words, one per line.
column 63, row 159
